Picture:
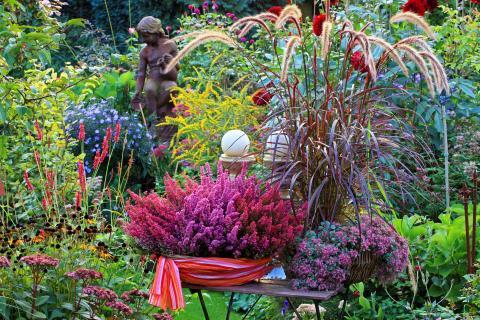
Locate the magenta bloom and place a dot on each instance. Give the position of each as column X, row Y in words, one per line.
column 220, row 217
column 119, row 306
column 4, row 262
column 40, row 260
column 100, row 293
column 163, row 316
column 84, row 274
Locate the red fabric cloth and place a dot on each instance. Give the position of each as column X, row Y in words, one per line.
column 166, row 290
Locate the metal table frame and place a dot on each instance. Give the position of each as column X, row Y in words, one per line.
column 272, row 288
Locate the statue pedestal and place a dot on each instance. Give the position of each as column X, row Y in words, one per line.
column 234, row 165
column 274, row 163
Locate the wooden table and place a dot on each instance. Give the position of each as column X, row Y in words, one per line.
column 272, row 288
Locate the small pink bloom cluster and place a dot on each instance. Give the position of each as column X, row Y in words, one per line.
column 40, row 260
column 100, row 293
column 4, row 262
column 324, row 257
column 84, row 274
column 220, row 217
column 163, row 316
column 119, row 306
column 128, row 296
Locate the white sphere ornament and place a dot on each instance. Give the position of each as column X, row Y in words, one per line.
column 235, row 143
column 277, row 143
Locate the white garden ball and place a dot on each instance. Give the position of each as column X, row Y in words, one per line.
column 278, row 144
column 235, row 143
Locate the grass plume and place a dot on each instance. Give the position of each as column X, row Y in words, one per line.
column 414, row 19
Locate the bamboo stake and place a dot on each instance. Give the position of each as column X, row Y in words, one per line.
column 465, row 194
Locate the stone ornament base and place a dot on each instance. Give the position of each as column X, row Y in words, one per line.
column 234, row 165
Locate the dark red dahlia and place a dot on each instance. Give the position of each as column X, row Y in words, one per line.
column 431, row 5
column 357, row 60
column 276, row 10
column 476, row 1
column 416, row 6
column 318, row 21
column 261, row 97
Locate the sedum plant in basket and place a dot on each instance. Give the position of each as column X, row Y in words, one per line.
column 335, row 108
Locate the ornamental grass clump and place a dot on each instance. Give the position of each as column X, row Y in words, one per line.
column 220, row 217
column 325, row 257
column 332, row 93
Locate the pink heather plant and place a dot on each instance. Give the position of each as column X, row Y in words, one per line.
column 220, row 217
column 100, row 293
column 324, row 257
column 119, row 306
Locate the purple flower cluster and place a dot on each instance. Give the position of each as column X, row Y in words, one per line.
column 380, row 238
column 4, row 262
column 163, row 316
column 100, row 293
column 324, row 257
column 84, row 274
column 119, row 306
column 128, row 296
column 40, row 260
column 97, row 116
column 219, row 217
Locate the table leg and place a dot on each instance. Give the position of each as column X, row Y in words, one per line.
column 251, row 308
column 294, row 309
column 202, row 302
column 317, row 309
column 230, row 305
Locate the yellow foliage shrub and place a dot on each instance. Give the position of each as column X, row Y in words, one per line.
column 203, row 116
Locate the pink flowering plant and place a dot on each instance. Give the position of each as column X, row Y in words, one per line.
column 324, row 257
column 219, row 217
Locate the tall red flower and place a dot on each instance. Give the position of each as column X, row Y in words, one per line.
column 27, row 181
column 276, row 10
column 117, row 132
column 78, row 200
column 357, row 60
column 81, row 132
column 318, row 21
column 261, row 97
column 82, row 180
column 36, row 155
column 38, row 130
column 2, row 188
column 97, row 160
column 416, row 6
column 476, row 1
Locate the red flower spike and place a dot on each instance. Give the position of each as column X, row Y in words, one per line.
column 2, row 188
column 81, row 132
column 81, row 176
column 38, row 130
column 416, row 6
column 78, row 200
column 318, row 21
column 117, row 132
column 27, row 181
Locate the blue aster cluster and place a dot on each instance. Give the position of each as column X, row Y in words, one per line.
column 97, row 116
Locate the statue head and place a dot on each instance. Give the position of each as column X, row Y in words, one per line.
column 150, row 28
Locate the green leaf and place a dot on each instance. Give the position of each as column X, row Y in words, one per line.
column 79, row 22
column 42, row 300
column 38, row 36
column 39, row 315
column 364, row 303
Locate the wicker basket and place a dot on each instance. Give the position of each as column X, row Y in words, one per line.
column 363, row 267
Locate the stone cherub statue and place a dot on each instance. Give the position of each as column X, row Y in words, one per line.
column 159, row 51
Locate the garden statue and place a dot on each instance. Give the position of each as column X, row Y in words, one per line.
column 158, row 88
